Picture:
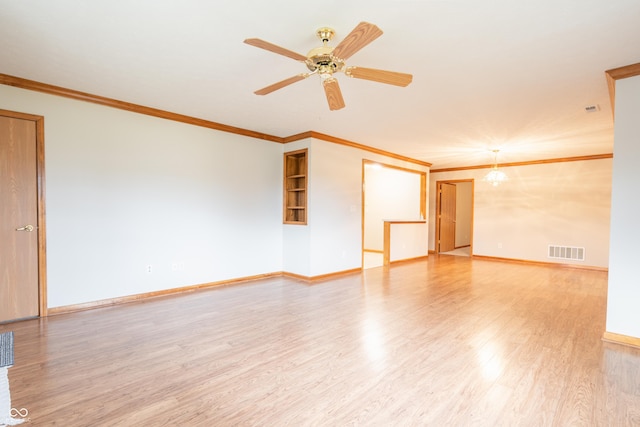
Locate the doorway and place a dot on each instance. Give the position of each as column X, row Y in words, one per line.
column 388, row 193
column 22, row 227
column 454, row 217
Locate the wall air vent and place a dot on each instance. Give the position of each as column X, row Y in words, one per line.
column 566, row 252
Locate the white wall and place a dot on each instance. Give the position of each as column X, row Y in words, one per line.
column 390, row 194
column 335, row 208
column 408, row 241
column 296, row 250
column 124, row 191
column 335, row 205
column 623, row 301
column 563, row 204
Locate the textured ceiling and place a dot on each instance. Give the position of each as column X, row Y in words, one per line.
column 513, row 75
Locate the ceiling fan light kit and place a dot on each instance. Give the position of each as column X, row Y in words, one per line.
column 327, row 60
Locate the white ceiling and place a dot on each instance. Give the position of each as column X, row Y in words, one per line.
column 513, row 75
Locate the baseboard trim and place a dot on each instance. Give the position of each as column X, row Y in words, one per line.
column 407, row 260
column 322, row 276
column 174, row 291
column 52, row 311
column 541, row 263
column 621, row 339
column 147, row 295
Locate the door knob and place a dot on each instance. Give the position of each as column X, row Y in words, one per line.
column 25, row 228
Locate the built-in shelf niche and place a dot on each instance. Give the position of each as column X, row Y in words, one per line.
column 295, row 187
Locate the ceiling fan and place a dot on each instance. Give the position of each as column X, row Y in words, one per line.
column 327, row 60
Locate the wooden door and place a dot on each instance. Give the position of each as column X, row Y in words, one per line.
column 447, row 217
column 19, row 234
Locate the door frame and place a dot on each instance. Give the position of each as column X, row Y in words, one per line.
column 41, row 212
column 437, row 213
column 440, row 193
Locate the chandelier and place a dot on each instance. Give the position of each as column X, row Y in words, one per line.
column 495, row 176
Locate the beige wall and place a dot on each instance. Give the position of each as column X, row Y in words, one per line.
column 565, row 204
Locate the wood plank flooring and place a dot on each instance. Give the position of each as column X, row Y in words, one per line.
column 445, row 341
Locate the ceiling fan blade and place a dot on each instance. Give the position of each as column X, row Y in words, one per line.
column 280, row 85
column 380, row 76
column 334, row 94
column 363, row 34
column 275, row 49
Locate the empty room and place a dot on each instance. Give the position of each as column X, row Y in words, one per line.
column 387, row 213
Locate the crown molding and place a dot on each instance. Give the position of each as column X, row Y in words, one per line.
column 22, row 83
column 19, row 82
column 127, row 106
column 617, row 74
column 335, row 140
column 528, row 163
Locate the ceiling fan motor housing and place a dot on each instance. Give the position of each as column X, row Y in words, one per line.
column 322, row 60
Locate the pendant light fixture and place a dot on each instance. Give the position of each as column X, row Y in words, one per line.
column 495, row 176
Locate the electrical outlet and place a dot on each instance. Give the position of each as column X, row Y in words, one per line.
column 149, row 268
column 499, row 245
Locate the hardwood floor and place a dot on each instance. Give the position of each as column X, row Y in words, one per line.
column 444, row 341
